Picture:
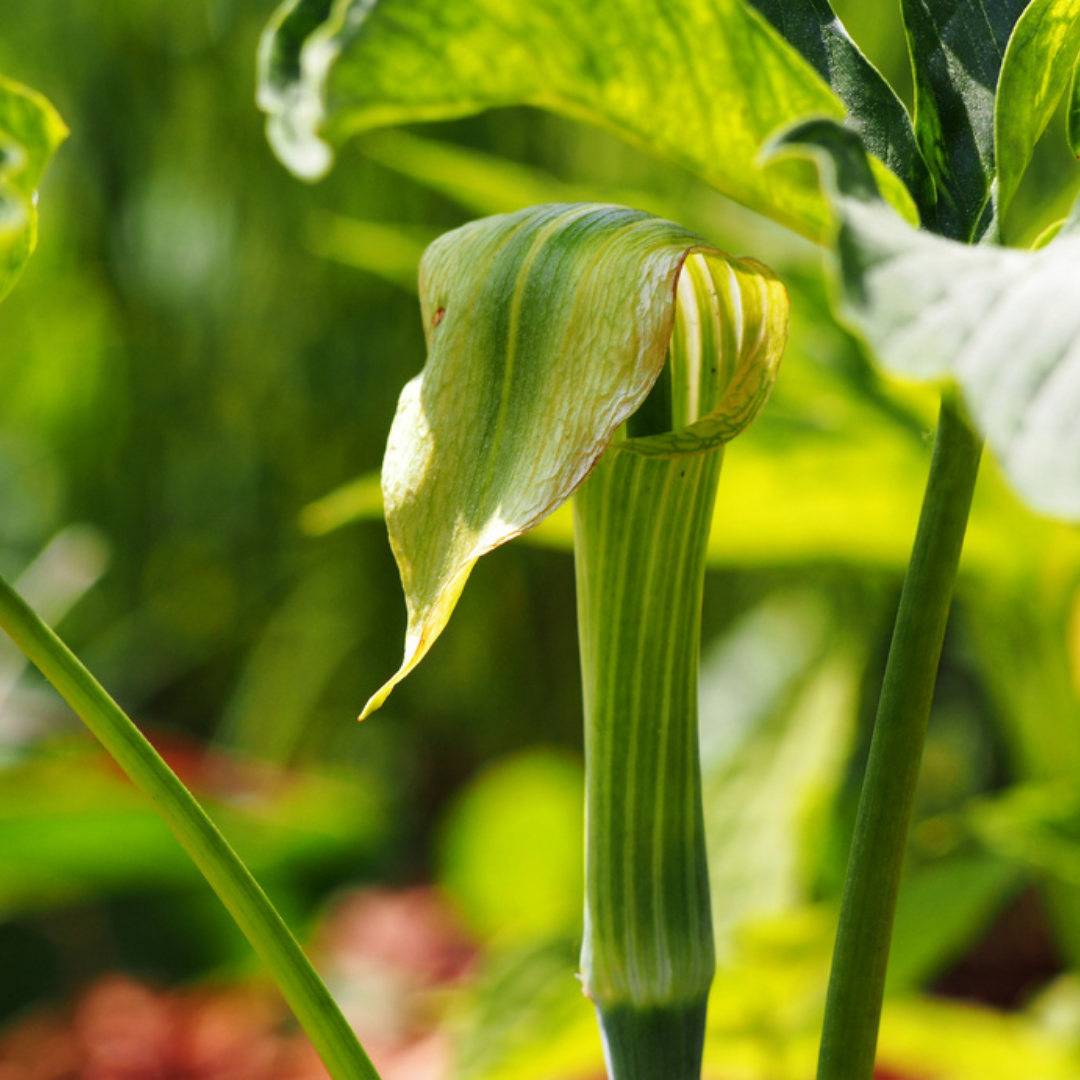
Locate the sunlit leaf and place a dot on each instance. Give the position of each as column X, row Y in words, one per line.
column 546, row 329
column 1041, row 55
column 874, row 110
column 359, row 500
column 30, row 132
column 701, row 82
column 1003, row 323
column 767, row 1010
column 510, row 851
column 957, row 47
column 933, row 1037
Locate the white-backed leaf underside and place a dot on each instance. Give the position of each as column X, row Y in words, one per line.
column 1003, row 323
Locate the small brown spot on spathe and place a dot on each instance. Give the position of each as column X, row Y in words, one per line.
column 437, row 317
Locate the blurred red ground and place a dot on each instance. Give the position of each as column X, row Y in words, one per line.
column 384, row 948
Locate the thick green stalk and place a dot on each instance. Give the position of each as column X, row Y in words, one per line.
column 857, row 983
column 302, row 988
column 641, row 526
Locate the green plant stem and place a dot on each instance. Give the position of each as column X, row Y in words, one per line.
column 641, row 527
column 271, row 939
column 857, row 983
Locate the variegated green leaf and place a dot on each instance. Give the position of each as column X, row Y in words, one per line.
column 874, row 110
column 701, row 82
column 957, row 48
column 1040, row 56
column 30, row 131
column 1005, row 324
column 546, row 329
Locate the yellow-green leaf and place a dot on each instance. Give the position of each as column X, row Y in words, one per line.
column 30, row 132
column 701, row 82
column 546, row 329
column 1034, row 74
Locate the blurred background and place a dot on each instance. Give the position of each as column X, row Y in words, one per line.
column 200, row 367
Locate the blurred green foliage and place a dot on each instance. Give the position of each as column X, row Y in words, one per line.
column 202, row 359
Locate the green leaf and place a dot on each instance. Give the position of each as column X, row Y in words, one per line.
column 957, row 48
column 1025, row 643
column 1003, row 323
column 30, row 132
column 874, row 110
column 510, row 852
column 922, row 1037
column 358, row 500
column 392, row 252
column 942, row 910
column 73, row 828
column 1036, row 825
column 701, row 82
column 1038, row 62
column 1073, row 121
column 546, row 329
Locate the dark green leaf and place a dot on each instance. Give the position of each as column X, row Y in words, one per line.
column 1003, row 323
column 1074, row 112
column 874, row 110
column 957, row 48
column 701, row 82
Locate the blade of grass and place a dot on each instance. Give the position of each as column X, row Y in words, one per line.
column 241, row 894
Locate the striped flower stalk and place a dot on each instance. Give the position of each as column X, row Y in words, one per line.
column 641, row 525
column 596, row 349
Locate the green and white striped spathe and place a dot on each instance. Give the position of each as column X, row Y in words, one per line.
column 546, row 329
